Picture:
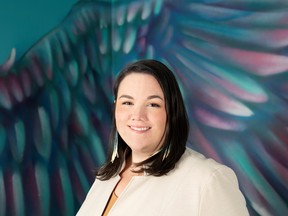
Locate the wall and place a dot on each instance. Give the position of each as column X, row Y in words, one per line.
column 230, row 58
column 24, row 22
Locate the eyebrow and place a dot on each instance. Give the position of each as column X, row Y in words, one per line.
column 154, row 96
column 148, row 98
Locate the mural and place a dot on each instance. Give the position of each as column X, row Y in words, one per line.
column 230, row 58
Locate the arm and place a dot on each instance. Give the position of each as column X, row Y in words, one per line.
column 220, row 195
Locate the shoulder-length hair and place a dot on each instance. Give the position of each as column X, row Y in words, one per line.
column 176, row 130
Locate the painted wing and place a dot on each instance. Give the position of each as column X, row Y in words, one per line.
column 230, row 60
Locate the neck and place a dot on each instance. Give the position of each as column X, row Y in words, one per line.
column 138, row 158
column 130, row 168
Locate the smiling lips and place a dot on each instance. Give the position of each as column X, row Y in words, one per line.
column 139, row 129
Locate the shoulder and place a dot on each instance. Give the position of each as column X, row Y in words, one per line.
column 196, row 160
column 195, row 165
column 212, row 179
column 218, row 187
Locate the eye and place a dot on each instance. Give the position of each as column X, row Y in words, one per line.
column 127, row 103
column 153, row 105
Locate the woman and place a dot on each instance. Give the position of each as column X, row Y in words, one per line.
column 149, row 170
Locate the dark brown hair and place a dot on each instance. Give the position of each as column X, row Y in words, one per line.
column 176, row 131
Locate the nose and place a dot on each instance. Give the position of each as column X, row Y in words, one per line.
column 139, row 113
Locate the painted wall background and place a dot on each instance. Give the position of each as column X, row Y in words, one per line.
column 23, row 23
column 230, row 58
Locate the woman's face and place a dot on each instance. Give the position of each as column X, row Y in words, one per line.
column 141, row 114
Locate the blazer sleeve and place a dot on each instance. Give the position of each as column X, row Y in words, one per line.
column 220, row 195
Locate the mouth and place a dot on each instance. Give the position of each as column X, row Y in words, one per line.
column 139, row 129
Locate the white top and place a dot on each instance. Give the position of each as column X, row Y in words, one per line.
column 197, row 186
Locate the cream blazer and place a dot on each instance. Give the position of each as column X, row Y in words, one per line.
column 197, row 186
